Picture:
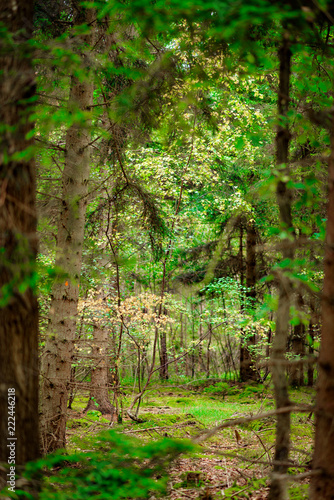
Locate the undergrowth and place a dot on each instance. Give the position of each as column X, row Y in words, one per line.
column 117, row 468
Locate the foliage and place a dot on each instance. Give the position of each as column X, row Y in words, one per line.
column 182, row 130
column 119, row 467
column 253, row 486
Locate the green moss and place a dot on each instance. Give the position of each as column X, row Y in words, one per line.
column 77, row 423
column 161, row 420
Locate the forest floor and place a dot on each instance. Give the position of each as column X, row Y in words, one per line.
column 235, row 462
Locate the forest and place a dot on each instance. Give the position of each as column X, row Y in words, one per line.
column 166, row 249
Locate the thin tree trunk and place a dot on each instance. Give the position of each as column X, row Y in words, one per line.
column 185, row 345
column 173, row 342
column 311, row 329
column 298, row 349
column 247, row 364
column 18, row 240
column 192, row 347
column 72, row 386
column 278, row 487
column 181, row 331
column 201, row 365
column 322, row 485
column 208, row 351
column 59, row 347
column 163, row 355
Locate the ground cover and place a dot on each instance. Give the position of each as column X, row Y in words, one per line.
column 234, row 463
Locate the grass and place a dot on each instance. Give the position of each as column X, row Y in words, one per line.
column 212, row 413
column 163, row 405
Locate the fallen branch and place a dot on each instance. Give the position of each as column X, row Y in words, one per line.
column 255, row 460
column 239, row 421
column 296, row 477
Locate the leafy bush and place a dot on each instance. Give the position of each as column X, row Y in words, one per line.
column 221, row 389
column 251, row 390
column 119, row 468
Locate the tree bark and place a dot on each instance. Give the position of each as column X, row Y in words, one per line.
column 247, row 364
column 322, row 485
column 99, row 375
column 298, row 349
column 18, row 241
column 163, row 354
column 278, row 487
column 59, row 346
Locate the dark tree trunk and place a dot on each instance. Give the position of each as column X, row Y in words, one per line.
column 278, row 487
column 18, row 241
column 298, row 349
column 322, row 486
column 247, row 363
column 163, row 355
column 72, row 388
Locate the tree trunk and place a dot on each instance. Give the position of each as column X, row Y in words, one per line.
column 247, row 364
column 208, row 351
column 72, row 388
column 99, row 395
column 201, row 364
column 18, row 241
column 104, row 342
column 322, row 485
column 58, row 354
column 298, row 349
column 311, row 330
column 278, row 488
column 163, row 354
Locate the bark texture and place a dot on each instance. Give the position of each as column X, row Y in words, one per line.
column 18, row 240
column 59, row 347
column 278, row 488
column 322, row 485
column 99, row 374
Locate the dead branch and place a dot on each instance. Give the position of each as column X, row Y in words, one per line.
column 239, row 421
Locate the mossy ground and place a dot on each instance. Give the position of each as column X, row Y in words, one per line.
column 233, row 458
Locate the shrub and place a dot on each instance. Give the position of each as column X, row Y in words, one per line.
column 119, row 468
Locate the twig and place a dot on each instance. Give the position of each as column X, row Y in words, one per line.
column 49, row 195
column 296, row 477
column 239, row 491
column 262, row 444
column 268, row 464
